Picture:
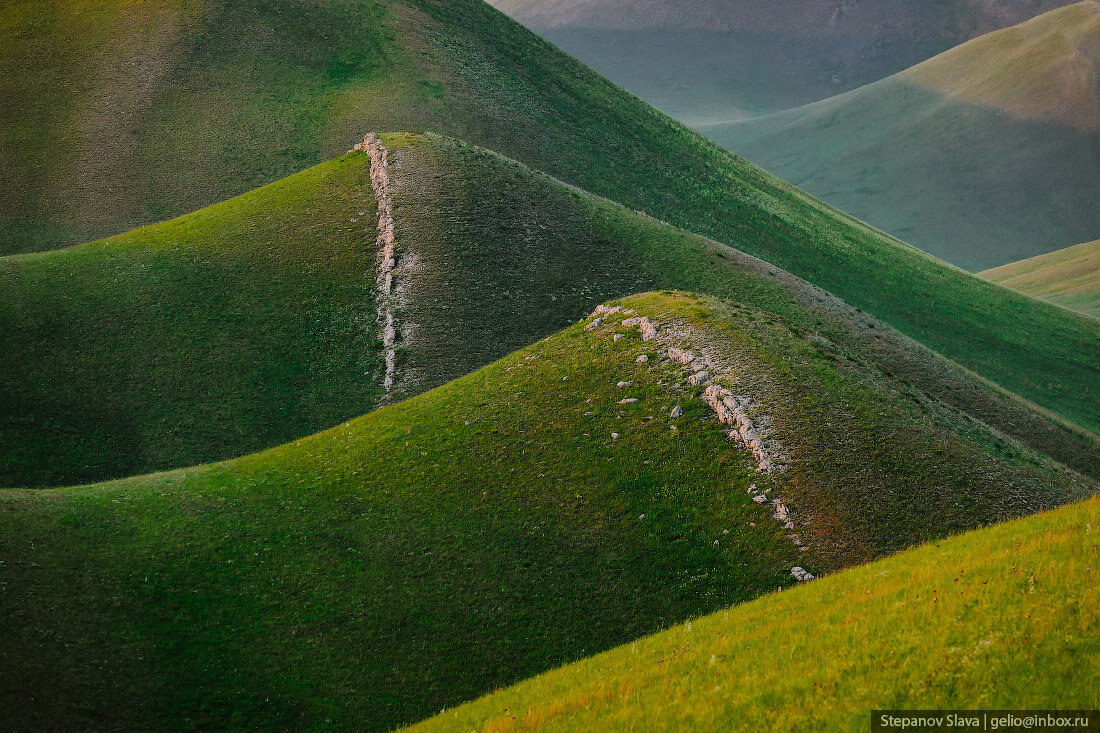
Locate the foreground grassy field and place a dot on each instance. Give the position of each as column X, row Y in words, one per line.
column 1004, row 617
column 1069, row 277
column 976, row 121
column 511, row 521
column 263, row 314
column 222, row 98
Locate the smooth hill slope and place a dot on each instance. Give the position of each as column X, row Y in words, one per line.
column 704, row 61
column 523, row 516
column 1004, row 130
column 236, row 328
column 491, row 256
column 1069, row 277
column 1015, row 608
column 304, row 81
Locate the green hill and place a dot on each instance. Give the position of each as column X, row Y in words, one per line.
column 1069, row 277
column 109, row 132
column 1005, row 131
column 706, row 61
column 265, row 327
column 526, row 515
column 1014, row 608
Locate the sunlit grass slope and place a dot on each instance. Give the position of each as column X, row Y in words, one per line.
column 1005, row 131
column 511, row 521
column 253, row 91
column 236, row 328
column 261, row 316
column 1069, row 277
column 1001, row 618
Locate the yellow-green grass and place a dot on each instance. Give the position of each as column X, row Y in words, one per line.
column 254, row 91
column 1003, row 130
column 1003, row 617
column 188, row 342
column 436, row 549
column 1069, row 277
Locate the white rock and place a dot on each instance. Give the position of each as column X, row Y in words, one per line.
column 680, row 356
column 620, row 385
column 643, row 359
column 598, row 323
column 677, row 412
column 628, row 401
column 614, row 436
column 801, row 575
column 699, row 378
column 716, row 543
column 606, row 310
column 617, row 336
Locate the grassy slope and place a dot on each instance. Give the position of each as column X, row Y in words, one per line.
column 493, row 257
column 236, row 328
column 706, row 61
column 485, row 531
column 1004, row 130
column 462, row 68
column 1069, row 277
column 1015, row 613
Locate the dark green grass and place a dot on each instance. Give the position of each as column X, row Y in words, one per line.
column 233, row 329
column 251, row 93
column 436, row 549
column 1002, row 618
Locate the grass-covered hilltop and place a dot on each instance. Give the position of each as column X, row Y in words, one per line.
column 541, row 509
column 295, row 84
column 1069, row 277
column 260, row 320
column 1002, row 618
column 1004, row 130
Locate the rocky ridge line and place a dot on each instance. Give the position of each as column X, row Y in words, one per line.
column 731, row 409
column 386, row 242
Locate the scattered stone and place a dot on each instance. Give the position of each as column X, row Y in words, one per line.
column 617, row 336
column 760, row 498
column 641, row 516
column 677, row 412
column 680, row 356
column 598, row 323
column 643, row 359
column 716, row 543
column 801, row 575
column 699, row 378
column 628, row 401
column 725, row 531
column 620, row 385
column 606, row 310
column 614, row 436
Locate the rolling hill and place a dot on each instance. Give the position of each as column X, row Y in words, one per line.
column 1069, row 277
column 704, row 61
column 1005, row 131
column 533, row 512
column 1015, row 612
column 261, row 319
column 253, row 91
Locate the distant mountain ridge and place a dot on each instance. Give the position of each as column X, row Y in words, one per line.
column 704, row 60
column 986, row 154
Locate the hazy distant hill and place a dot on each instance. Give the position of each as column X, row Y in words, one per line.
column 1069, row 277
column 704, row 61
column 983, row 155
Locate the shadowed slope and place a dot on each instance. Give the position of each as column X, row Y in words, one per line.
column 1069, row 277
column 1014, row 608
column 304, row 81
column 524, row 516
column 1005, row 131
column 490, row 256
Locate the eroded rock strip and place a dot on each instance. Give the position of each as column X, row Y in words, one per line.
column 731, row 409
column 387, row 253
